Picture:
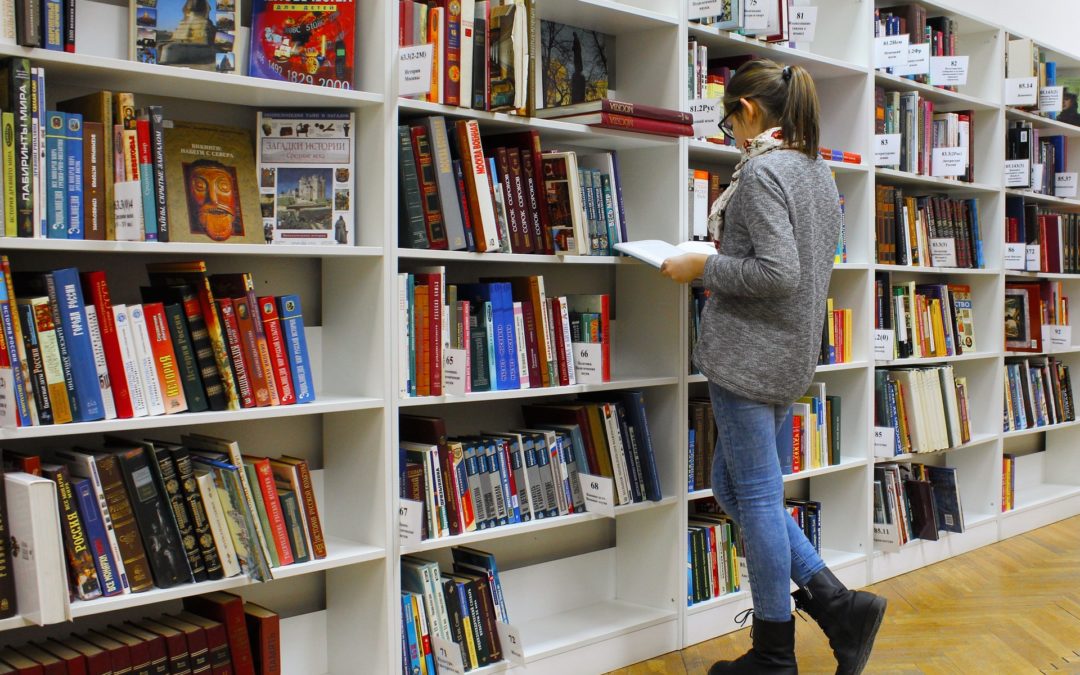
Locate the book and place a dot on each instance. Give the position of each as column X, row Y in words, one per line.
column 34, row 529
column 577, row 65
column 8, row 604
column 65, row 292
column 305, row 42
column 306, row 166
column 91, row 517
column 216, row 194
column 222, row 536
column 82, row 574
column 617, row 107
column 655, row 252
column 292, row 327
column 279, row 363
column 174, row 33
column 228, row 610
column 264, row 632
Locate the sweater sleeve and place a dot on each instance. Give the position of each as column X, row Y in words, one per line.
column 772, row 268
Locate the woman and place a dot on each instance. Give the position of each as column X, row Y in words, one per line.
column 776, row 226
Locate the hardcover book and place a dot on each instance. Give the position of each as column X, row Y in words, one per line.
column 306, row 175
column 196, row 34
column 308, row 42
column 215, row 198
column 578, row 65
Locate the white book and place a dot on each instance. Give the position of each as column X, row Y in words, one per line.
column 440, row 601
column 521, row 475
column 603, row 162
column 473, row 164
column 468, row 12
column 403, row 334
column 564, row 320
column 618, row 453
column 131, row 367
column 144, row 360
column 219, row 526
column 655, row 252
column 699, row 212
column 7, row 23
column 952, row 409
column 547, row 349
column 83, row 465
column 522, row 352
column 99, row 362
column 558, row 472
column 37, row 560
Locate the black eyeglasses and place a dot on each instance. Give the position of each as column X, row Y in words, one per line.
column 725, row 126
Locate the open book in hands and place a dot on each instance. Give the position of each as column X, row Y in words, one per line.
column 655, row 252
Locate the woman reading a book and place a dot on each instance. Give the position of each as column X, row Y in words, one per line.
column 775, row 228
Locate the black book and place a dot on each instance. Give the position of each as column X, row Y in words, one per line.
column 456, row 617
column 185, row 472
column 15, row 97
column 190, row 378
column 38, row 383
column 634, row 401
column 923, row 514
column 156, row 524
column 82, row 575
column 168, row 482
column 478, row 349
column 8, row 607
column 468, row 585
column 412, row 231
column 161, row 197
column 28, row 24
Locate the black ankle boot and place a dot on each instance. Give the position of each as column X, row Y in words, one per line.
column 850, row 619
column 773, row 651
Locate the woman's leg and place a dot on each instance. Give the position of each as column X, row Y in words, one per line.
column 805, row 561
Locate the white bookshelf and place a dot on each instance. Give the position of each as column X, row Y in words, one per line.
column 588, row 593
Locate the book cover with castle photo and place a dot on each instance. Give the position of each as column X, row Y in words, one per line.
column 197, row 34
column 306, row 166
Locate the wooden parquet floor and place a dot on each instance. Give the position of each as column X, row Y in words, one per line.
column 1012, row 607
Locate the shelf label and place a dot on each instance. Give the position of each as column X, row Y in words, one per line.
column 802, row 23
column 410, row 514
column 890, row 51
column 707, row 114
column 702, row 9
column 588, row 362
column 127, row 197
column 1022, row 91
column 1017, row 172
column 884, row 442
column 455, row 371
column 1015, row 256
column 414, row 69
column 510, row 639
column 1050, row 99
column 447, row 656
column 886, row 149
column 883, row 345
column 1056, row 338
column 755, row 15
column 886, row 537
column 1033, row 257
column 918, row 61
column 949, row 162
column 943, row 252
column 9, row 416
column 948, row 70
column 599, row 495
column 1065, row 184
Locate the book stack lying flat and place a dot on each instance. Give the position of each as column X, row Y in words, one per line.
column 914, row 501
column 610, row 114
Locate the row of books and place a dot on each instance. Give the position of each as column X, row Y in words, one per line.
column 1054, row 236
column 98, row 168
column 217, row 633
column 715, row 555
column 1038, row 393
column 927, row 320
column 514, row 199
column 498, row 335
column 697, row 296
column 769, row 20
column 1030, row 305
column 837, row 335
column 922, row 131
column 478, row 482
column 139, row 515
column 940, row 32
column 815, row 440
column 914, row 501
column 1024, row 59
column 462, row 606
column 927, row 409
column 46, row 25
column 197, row 342
column 926, row 230
column 1046, row 157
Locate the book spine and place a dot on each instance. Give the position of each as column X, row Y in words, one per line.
column 64, row 285
column 82, row 574
column 412, row 231
column 186, row 363
column 279, row 361
column 475, row 169
column 19, row 76
column 274, row 513
column 171, row 484
column 146, row 178
column 216, row 396
column 123, row 522
column 429, row 190
column 203, row 537
column 294, row 525
column 62, row 349
column 69, row 26
column 219, row 525
column 39, row 383
column 292, row 325
column 249, row 343
column 73, row 155
column 156, row 525
column 157, row 154
column 144, row 360
column 311, row 510
column 54, row 24
column 443, row 171
column 236, row 352
column 644, row 125
column 56, row 176
column 7, row 128
column 97, row 540
column 100, row 367
column 126, row 343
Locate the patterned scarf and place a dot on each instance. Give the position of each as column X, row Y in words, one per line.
column 766, row 141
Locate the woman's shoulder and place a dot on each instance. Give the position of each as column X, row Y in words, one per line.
column 785, row 165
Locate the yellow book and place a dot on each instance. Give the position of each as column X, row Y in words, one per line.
column 831, row 317
column 848, row 335
column 7, row 127
column 938, row 328
column 50, row 358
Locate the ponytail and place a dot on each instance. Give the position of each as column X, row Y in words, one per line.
column 786, row 95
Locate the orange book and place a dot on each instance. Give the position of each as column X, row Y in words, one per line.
column 256, row 368
column 436, row 17
column 423, row 336
column 157, row 326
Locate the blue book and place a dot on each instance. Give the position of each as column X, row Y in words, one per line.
column 634, row 402
column 410, row 287
column 1051, row 80
column 482, row 295
column 510, row 497
column 53, row 21
column 411, row 634
column 146, row 181
column 292, row 327
column 65, row 292
column 690, row 465
column 472, row 473
column 73, row 152
column 505, row 294
column 489, row 333
column 490, row 465
column 90, row 514
column 18, row 384
column 56, row 174
column 561, row 455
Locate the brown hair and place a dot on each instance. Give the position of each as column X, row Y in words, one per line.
column 787, row 97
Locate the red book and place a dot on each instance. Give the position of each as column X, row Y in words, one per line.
column 796, row 445
column 249, row 342
column 142, row 129
column 532, row 350
column 608, row 105
column 21, row 664
column 429, row 189
column 236, row 351
column 175, row 645
column 138, row 650
column 242, row 285
column 228, row 609
column 423, row 335
column 172, row 391
column 197, row 647
column 555, row 316
column 217, row 642
column 514, row 222
column 155, row 645
column 522, row 201
column 74, row 662
column 452, row 53
column 119, row 654
column 311, row 508
column 50, row 664
column 264, row 631
column 15, row 460
column 96, row 290
column 275, row 342
column 97, row 659
column 532, row 165
column 272, row 505
column 626, row 123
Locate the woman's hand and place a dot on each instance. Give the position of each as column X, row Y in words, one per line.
column 684, row 268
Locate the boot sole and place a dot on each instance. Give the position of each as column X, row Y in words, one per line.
column 870, row 629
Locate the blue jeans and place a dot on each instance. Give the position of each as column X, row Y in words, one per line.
column 748, row 484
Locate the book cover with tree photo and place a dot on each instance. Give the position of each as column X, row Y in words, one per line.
column 578, row 65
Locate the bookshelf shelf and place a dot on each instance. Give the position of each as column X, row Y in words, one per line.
column 1072, row 350
column 1039, row 198
column 726, row 43
column 976, row 440
column 631, row 383
column 718, row 601
column 1062, row 276
column 323, row 404
column 563, row 632
column 944, row 100
column 13, row 622
column 526, row 258
column 1041, row 495
column 931, row 360
column 606, row 15
column 1038, row 430
column 840, row 367
column 846, row 463
column 177, row 248
column 1043, row 123
column 705, row 151
column 905, row 178
column 919, row 269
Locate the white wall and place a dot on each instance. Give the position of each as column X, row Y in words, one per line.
column 1052, row 22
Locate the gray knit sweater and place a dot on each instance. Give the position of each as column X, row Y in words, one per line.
column 761, row 327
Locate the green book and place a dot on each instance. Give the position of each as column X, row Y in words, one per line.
column 294, row 525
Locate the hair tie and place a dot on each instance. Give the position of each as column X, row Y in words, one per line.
column 786, row 73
